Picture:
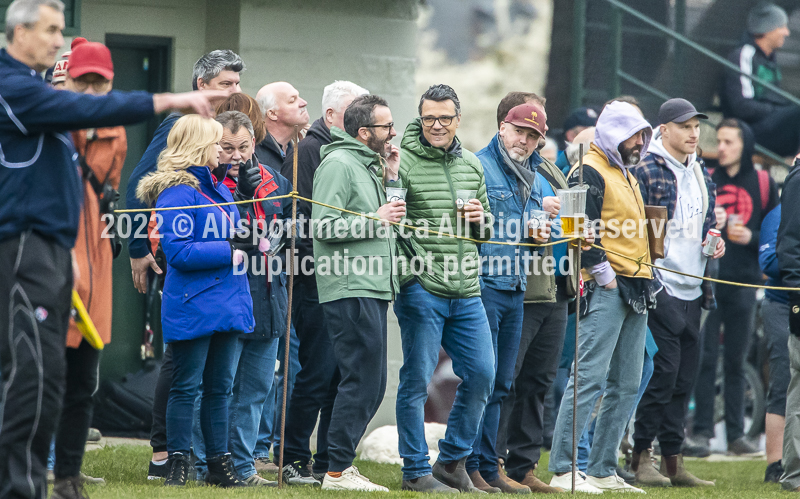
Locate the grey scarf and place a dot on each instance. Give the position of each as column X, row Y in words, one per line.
column 525, row 176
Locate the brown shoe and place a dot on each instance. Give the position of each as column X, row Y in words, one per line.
column 265, row 465
column 507, row 485
column 538, row 486
column 646, row 473
column 479, row 483
column 672, row 466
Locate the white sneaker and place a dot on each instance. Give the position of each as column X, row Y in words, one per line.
column 564, row 482
column 612, row 483
column 351, row 479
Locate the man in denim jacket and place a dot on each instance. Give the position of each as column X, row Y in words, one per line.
column 509, row 166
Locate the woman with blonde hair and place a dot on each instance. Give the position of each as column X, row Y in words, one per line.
column 206, row 302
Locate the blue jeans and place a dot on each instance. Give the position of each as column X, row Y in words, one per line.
column 611, row 349
column 207, row 360
column 428, row 322
column 504, row 310
column 269, row 430
column 585, row 445
column 254, row 370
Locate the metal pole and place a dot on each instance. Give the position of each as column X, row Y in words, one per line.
column 577, row 328
column 680, row 49
column 616, row 51
column 287, row 335
column 578, row 52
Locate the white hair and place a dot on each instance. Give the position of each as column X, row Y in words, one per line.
column 266, row 101
column 334, row 93
column 26, row 12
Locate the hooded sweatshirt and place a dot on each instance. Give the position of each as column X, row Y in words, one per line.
column 742, row 97
column 613, row 196
column 683, row 242
column 741, row 195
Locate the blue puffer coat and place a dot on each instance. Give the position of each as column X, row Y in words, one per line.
column 202, row 294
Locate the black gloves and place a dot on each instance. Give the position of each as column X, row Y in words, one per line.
column 794, row 314
column 249, row 178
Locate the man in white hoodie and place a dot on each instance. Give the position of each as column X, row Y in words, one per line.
column 671, row 175
column 614, row 314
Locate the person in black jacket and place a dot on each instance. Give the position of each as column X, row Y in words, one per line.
column 315, row 386
column 788, row 251
column 283, row 110
column 746, row 195
column 41, row 194
column 775, row 121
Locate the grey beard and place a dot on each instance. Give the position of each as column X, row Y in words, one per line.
column 633, row 159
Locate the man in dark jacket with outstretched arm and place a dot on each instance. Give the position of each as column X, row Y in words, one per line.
column 41, row 194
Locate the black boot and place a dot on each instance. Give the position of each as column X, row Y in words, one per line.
column 178, row 467
column 222, row 473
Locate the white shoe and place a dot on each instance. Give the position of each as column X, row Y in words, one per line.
column 564, row 482
column 612, row 483
column 351, row 479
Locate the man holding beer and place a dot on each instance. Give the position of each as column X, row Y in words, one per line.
column 672, row 166
column 515, row 197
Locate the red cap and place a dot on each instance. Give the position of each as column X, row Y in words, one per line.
column 529, row 115
column 90, row 57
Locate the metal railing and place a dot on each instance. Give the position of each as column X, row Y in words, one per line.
column 615, row 57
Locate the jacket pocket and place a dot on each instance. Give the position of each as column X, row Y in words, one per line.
column 197, row 284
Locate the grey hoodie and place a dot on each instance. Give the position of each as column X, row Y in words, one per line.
column 618, row 122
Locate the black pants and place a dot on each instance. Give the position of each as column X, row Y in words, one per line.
column 780, row 131
column 661, row 413
column 36, row 288
column 736, row 310
column 76, row 416
column 158, row 430
column 358, row 332
column 315, row 385
column 522, row 416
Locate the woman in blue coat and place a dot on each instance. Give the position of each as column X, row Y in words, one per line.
column 206, row 301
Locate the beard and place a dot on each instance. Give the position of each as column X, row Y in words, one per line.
column 377, row 144
column 631, row 157
column 519, row 158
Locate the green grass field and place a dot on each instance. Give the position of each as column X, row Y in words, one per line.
column 125, row 470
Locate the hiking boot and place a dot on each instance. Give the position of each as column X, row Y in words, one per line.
column 69, row 488
column 645, row 472
column 351, row 479
column 774, row 472
column 265, row 465
column 480, row 483
column 455, row 475
column 672, row 466
column 297, row 473
column 256, row 481
column 427, row 484
column 222, row 473
column 743, row 447
column 157, row 471
column 178, row 466
column 532, row 482
column 696, row 447
column 508, row 485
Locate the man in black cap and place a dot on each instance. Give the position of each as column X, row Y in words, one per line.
column 774, row 120
column 672, row 166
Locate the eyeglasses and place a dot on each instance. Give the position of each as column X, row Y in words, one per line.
column 387, row 126
column 429, row 121
column 97, row 85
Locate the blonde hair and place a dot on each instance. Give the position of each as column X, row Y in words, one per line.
column 190, row 143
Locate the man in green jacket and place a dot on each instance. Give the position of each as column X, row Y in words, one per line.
column 439, row 305
column 354, row 259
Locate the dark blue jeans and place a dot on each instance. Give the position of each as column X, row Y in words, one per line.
column 428, row 322
column 504, row 311
column 207, row 360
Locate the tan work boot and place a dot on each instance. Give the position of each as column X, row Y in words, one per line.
column 646, row 473
column 672, row 466
column 538, row 486
column 479, row 483
column 508, row 485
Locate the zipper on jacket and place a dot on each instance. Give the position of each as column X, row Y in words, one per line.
column 460, row 242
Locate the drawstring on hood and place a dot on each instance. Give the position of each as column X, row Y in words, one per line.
column 618, row 122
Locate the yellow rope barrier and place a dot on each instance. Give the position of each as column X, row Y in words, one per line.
column 638, row 261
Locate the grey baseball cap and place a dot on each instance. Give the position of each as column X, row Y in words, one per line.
column 678, row 111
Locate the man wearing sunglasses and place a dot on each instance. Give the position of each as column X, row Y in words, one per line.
column 354, row 271
column 440, row 306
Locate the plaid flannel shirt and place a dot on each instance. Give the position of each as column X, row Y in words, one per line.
column 658, row 186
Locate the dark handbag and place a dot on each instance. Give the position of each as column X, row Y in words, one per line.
column 656, row 230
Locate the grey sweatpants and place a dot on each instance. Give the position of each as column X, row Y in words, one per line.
column 791, row 434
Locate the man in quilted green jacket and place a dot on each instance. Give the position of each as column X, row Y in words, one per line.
column 439, row 303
